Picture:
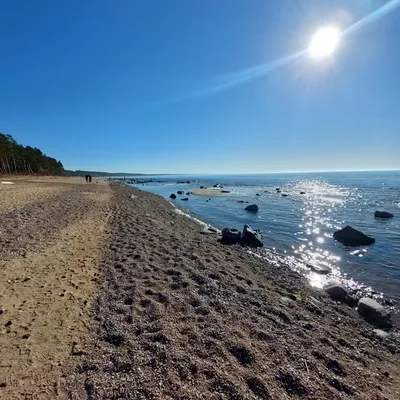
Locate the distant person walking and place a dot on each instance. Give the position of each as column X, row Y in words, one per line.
column 90, row 178
column 86, row 178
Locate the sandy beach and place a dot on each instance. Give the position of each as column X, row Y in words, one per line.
column 108, row 293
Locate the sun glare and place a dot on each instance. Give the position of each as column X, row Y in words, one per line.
column 324, row 42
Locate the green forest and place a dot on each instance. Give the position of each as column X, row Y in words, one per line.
column 18, row 159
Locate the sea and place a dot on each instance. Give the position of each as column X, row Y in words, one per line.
column 297, row 229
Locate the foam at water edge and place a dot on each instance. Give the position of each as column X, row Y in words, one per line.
column 201, row 223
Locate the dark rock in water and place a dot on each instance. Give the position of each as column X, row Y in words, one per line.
column 383, row 214
column 185, row 199
column 284, row 195
column 188, row 182
column 251, row 237
column 302, row 192
column 187, row 193
column 374, row 313
column 336, row 292
column 173, row 196
column 217, row 185
column 240, row 201
column 320, row 269
column 230, row 236
column 278, row 190
column 352, row 237
column 201, row 187
column 180, row 192
column 258, row 194
column 225, row 191
column 252, row 208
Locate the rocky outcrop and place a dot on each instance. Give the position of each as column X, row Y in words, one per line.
column 230, row 236
column 374, row 313
column 251, row 237
column 302, row 192
column 352, row 237
column 284, row 195
column 172, row 196
column 181, row 192
column 383, row 214
column 185, row 199
column 252, row 208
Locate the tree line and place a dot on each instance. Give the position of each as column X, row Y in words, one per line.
column 18, row 159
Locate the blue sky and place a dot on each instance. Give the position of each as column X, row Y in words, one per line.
column 112, row 85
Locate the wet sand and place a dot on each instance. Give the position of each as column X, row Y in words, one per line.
column 210, row 192
column 159, row 311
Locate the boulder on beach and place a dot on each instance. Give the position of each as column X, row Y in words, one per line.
column 352, row 237
column 252, row 208
column 180, row 192
column 185, row 199
column 320, row 268
column 374, row 313
column 172, row 196
column 251, row 237
column 336, row 291
column 230, row 236
column 383, row 214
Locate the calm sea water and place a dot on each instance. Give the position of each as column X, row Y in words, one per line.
column 298, row 229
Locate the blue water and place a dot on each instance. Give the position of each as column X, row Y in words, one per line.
column 299, row 228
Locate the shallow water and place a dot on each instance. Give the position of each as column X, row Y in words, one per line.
column 299, row 228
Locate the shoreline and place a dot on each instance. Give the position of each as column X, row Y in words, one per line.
column 202, row 320
column 174, row 314
column 304, row 268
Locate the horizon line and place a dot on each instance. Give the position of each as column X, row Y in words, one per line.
column 248, row 173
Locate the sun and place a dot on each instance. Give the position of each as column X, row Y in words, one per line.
column 324, row 42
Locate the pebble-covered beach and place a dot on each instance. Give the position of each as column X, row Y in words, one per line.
column 109, row 293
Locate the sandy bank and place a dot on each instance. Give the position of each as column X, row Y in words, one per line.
column 210, row 192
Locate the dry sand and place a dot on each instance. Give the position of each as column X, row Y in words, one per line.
column 50, row 249
column 159, row 311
